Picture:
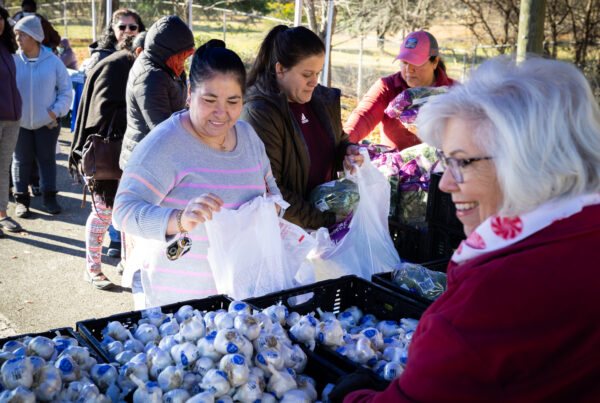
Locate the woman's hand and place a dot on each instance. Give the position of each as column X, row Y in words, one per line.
column 198, row 210
column 353, row 158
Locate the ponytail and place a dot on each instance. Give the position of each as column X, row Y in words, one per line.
column 288, row 46
column 214, row 58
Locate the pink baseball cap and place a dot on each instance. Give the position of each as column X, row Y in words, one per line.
column 418, row 47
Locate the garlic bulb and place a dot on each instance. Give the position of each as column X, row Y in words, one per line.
column 396, row 354
column 115, row 347
column 375, row 336
column 346, row 320
column 295, row 396
column 41, row 346
column 37, row 362
column 193, row 329
column 266, row 341
column 280, row 381
column 215, row 381
column 167, row 343
column 103, row 375
column 392, row 370
column 249, row 392
column 184, row 313
column 239, row 307
column 409, row 324
column 305, row 331
column 225, row 320
column 116, row 330
column 139, row 370
column 330, row 333
column 365, row 352
column 236, row 368
column 133, row 345
column 206, row 347
column 355, row 312
column 171, row 378
column 294, row 357
column 293, row 318
column 69, row 369
column 154, row 316
column 158, row 359
column 13, row 345
column 247, row 325
column 323, row 316
column 277, row 313
column 263, row 321
column 269, row 357
column 18, row 395
column 124, row 356
column 47, row 383
column 308, row 385
column 149, row 392
column 204, row 397
column 389, row 328
column 146, row 333
column 369, row 320
column 203, row 365
column 230, row 341
column 209, row 320
column 170, row 327
column 191, row 383
column 268, row 397
column 185, row 354
column 176, row 396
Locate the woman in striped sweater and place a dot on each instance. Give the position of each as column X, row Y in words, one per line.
column 188, row 167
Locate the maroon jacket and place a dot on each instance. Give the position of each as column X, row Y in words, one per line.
column 10, row 101
column 521, row 324
column 370, row 112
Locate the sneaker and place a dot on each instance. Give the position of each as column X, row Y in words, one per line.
column 35, row 190
column 114, row 249
column 10, row 225
column 98, row 280
column 50, row 204
column 120, row 268
column 22, row 211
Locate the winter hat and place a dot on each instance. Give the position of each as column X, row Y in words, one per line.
column 418, row 47
column 32, row 26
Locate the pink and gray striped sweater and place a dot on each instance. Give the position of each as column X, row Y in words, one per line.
column 168, row 168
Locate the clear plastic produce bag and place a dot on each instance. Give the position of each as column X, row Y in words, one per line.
column 339, row 196
column 249, row 254
column 420, row 280
column 366, row 248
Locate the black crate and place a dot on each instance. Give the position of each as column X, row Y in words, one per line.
column 385, row 280
column 337, row 295
column 411, row 243
column 64, row 331
column 443, row 241
column 440, row 208
column 91, row 329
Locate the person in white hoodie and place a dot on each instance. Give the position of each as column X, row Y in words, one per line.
column 46, row 90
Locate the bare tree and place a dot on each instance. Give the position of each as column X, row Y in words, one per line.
column 584, row 16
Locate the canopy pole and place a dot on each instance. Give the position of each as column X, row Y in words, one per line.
column 108, row 12
column 325, row 75
column 297, row 13
column 191, row 22
column 93, row 21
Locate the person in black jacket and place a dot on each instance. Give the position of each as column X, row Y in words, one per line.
column 157, row 87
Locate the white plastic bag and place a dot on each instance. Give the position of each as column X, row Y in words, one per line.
column 367, row 247
column 252, row 252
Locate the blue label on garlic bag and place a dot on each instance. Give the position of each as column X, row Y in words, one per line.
column 372, row 361
column 223, row 374
column 388, row 340
column 232, row 348
column 240, row 306
column 291, row 372
column 65, row 366
column 321, row 337
column 103, row 368
column 369, row 333
column 344, row 315
column 184, row 359
column 312, row 320
column 261, row 359
column 211, row 335
column 238, row 359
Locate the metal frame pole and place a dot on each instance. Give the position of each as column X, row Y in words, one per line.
column 297, row 13
column 325, row 75
column 93, row 21
column 191, row 21
column 108, row 12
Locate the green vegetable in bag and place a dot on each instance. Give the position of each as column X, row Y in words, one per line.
column 420, row 280
column 339, row 196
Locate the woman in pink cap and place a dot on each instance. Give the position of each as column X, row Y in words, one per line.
column 420, row 66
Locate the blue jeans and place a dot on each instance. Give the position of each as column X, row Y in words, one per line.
column 38, row 144
column 115, row 236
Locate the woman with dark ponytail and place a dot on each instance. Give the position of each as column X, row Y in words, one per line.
column 298, row 120
column 185, row 169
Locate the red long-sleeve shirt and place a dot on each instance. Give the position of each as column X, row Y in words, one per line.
column 520, row 324
column 370, row 112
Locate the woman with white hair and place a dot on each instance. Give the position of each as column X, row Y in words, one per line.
column 519, row 320
column 46, row 91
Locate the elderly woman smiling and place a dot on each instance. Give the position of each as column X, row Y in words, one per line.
column 519, row 321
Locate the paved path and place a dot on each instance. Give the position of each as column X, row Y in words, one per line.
column 41, row 269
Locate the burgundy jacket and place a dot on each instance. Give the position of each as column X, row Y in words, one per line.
column 10, row 101
column 521, row 324
column 370, row 112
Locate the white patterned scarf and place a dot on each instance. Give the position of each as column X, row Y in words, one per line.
column 498, row 232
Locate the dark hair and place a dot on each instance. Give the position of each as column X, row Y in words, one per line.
column 288, row 46
column 8, row 36
column 213, row 58
column 441, row 64
column 108, row 40
column 30, row 5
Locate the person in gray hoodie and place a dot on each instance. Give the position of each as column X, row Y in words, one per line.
column 46, row 91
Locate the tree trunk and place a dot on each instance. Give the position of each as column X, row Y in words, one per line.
column 101, row 23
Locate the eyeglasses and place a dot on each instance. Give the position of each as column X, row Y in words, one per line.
column 456, row 164
column 132, row 27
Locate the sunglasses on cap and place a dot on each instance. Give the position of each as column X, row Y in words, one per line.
column 132, row 27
